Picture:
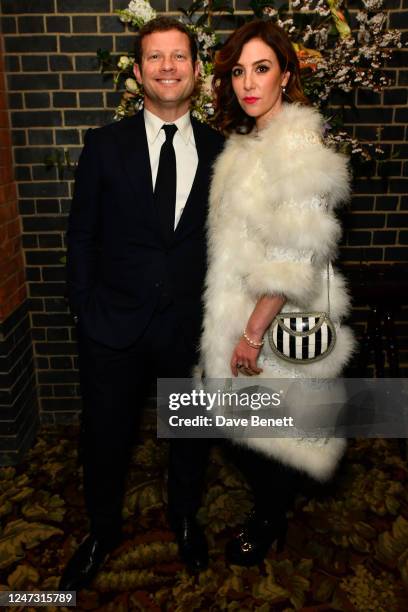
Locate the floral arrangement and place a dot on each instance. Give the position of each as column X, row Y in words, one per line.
column 333, row 56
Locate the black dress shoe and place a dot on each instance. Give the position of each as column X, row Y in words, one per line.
column 192, row 543
column 82, row 568
column 254, row 539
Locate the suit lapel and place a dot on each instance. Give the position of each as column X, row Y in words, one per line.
column 134, row 152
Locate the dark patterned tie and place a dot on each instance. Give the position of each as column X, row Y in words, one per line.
column 166, row 183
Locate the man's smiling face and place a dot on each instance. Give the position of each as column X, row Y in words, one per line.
column 167, row 72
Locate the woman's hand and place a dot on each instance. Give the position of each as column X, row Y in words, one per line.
column 245, row 357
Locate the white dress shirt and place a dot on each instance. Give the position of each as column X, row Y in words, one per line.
column 186, row 155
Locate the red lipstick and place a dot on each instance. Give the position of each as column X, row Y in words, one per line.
column 250, row 99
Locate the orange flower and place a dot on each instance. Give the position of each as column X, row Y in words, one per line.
column 308, row 58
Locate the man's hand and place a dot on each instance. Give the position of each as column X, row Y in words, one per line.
column 244, row 359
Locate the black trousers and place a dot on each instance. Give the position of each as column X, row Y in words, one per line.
column 113, row 384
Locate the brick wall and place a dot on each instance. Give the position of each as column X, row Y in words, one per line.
column 56, row 93
column 18, row 407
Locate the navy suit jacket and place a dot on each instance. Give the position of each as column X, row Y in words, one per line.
column 119, row 267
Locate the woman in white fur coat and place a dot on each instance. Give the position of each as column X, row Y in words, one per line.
column 272, row 230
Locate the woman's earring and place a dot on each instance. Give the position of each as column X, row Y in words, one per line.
column 283, row 89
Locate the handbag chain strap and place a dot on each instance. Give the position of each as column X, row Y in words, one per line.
column 328, row 288
column 328, row 271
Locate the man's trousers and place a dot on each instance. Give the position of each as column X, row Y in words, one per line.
column 113, row 384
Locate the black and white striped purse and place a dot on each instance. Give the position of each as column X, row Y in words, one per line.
column 303, row 337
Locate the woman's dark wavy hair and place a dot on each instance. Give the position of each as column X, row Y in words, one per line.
column 229, row 116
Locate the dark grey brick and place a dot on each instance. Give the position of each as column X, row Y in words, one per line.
column 29, row 25
column 18, row 138
column 64, row 99
column 111, row 24
column 399, row 58
column 56, row 305
column 401, row 115
column 395, row 96
column 85, row 24
column 393, row 132
column 42, row 173
column 12, row 63
column 90, row 6
column 30, row 44
column 22, row 173
column 27, row 82
column 86, row 81
column 15, row 100
column 367, row 97
column 386, row 203
column 398, row 220
column 33, row 274
column 36, row 119
column 34, row 63
column 44, row 258
column 399, row 20
column 67, row 137
column 88, row 117
column 48, row 206
column 362, row 203
column 27, row 207
column 384, row 237
column 47, row 290
column 86, row 63
column 40, row 137
column 359, row 254
column 29, row 241
column 32, row 154
column 50, row 241
column 8, row 25
column 159, row 5
column 112, row 99
column 124, row 44
column 91, row 99
column 27, row 6
column 119, row 4
column 403, row 77
column 37, row 100
column 36, row 190
column 367, row 132
column 362, row 220
column 358, row 238
column 58, row 24
column 396, row 253
column 54, row 274
column 368, row 115
column 61, row 63
column 83, row 44
column 56, row 348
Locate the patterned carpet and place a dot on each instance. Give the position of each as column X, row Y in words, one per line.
column 347, row 546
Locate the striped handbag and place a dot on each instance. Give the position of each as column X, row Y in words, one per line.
column 303, row 337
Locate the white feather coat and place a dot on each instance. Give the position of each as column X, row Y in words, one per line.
column 271, row 230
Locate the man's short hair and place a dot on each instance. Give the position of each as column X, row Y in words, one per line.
column 164, row 24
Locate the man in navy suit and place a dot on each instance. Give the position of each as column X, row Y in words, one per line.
column 136, row 267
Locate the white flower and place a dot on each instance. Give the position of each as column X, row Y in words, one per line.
column 124, row 62
column 132, row 86
column 138, row 13
column 206, row 85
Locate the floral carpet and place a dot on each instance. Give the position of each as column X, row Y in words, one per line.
column 347, row 546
